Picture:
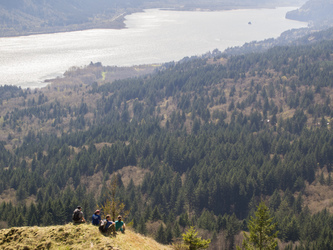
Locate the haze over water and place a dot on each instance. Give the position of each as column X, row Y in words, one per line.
column 153, row 36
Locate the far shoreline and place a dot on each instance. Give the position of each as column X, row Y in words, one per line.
column 118, row 22
column 115, row 23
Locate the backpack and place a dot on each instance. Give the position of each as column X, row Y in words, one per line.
column 76, row 215
column 102, row 225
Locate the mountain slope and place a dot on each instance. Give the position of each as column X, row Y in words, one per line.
column 73, row 237
column 22, row 17
column 317, row 11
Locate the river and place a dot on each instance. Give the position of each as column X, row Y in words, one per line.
column 152, row 36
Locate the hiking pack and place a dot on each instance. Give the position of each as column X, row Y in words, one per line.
column 102, row 225
column 76, row 215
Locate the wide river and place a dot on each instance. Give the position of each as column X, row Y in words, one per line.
column 152, row 36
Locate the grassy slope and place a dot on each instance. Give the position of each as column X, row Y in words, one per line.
column 72, row 237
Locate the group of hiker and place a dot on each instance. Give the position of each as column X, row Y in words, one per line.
column 105, row 226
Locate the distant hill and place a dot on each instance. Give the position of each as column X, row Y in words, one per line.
column 73, row 237
column 31, row 16
column 319, row 12
column 303, row 36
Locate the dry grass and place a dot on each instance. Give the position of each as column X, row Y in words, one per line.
column 318, row 197
column 3, row 224
column 154, row 226
column 100, row 145
column 73, row 237
column 93, row 183
column 8, row 196
column 132, row 172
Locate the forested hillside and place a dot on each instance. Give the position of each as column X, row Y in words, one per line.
column 293, row 37
column 318, row 12
column 23, row 17
column 199, row 142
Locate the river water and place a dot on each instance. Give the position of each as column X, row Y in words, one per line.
column 152, row 36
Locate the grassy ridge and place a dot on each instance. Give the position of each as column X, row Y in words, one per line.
column 72, row 237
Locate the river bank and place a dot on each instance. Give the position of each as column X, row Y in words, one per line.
column 114, row 19
column 114, row 22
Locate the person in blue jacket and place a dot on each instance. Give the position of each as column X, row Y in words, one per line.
column 96, row 218
column 109, row 226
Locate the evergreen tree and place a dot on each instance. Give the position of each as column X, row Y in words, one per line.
column 142, row 229
column 292, row 230
column 20, row 221
column 21, row 192
column 193, row 241
column 262, row 235
column 147, row 213
column 32, row 215
column 232, row 228
column 329, row 179
column 47, row 219
column 156, row 214
column 176, row 230
column 33, row 221
column 184, row 220
column 161, row 235
column 169, row 234
column 275, row 200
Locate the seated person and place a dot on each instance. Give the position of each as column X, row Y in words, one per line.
column 120, row 224
column 78, row 216
column 107, row 226
column 96, row 218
